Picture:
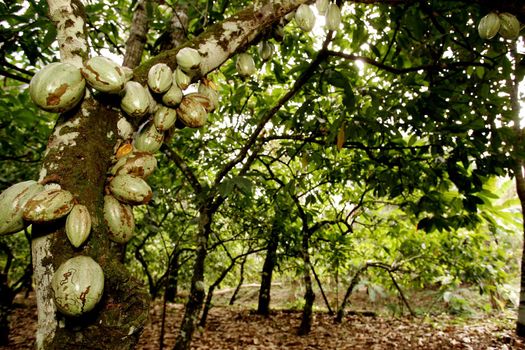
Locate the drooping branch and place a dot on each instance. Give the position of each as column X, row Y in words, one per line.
column 181, row 164
column 394, row 70
column 14, row 76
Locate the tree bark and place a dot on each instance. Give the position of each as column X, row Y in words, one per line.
column 239, row 285
column 172, row 282
column 353, row 283
column 77, row 157
column 263, row 307
column 138, row 34
column 197, row 294
column 309, row 295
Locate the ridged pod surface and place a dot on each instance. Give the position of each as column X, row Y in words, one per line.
column 265, row 50
column 140, row 164
column 488, row 26
column 245, row 64
column 173, row 96
column 322, row 6
column 148, row 139
column 119, row 219
column 78, row 225
column 136, row 100
column 510, row 26
column 305, row 18
column 48, row 205
column 208, row 89
column 104, row 75
column 201, row 99
column 333, row 17
column 181, row 79
column 57, row 87
column 188, row 59
column 164, row 118
column 160, row 77
column 130, row 189
column 12, row 202
column 78, row 285
column 192, row 113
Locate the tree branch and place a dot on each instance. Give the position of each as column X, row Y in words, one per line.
column 137, row 35
column 181, row 164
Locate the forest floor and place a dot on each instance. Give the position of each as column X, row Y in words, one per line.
column 238, row 327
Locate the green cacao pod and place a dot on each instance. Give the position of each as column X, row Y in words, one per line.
column 489, row 26
column 148, row 139
column 305, row 18
column 188, row 59
column 181, row 79
column 265, row 50
column 322, row 6
column 333, row 17
column 160, row 77
column 78, row 225
column 104, row 75
column 48, row 205
column 140, row 164
column 164, row 118
column 202, row 99
column 208, row 89
column 57, row 87
column 130, row 189
column 12, row 202
column 510, row 26
column 192, row 113
column 136, row 100
column 173, row 96
column 119, row 219
column 77, row 285
column 245, row 65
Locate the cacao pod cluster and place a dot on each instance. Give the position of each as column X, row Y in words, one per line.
column 505, row 24
column 59, row 87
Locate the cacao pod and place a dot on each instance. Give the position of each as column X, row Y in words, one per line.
column 489, row 26
column 78, row 225
column 164, row 118
column 265, row 50
column 104, row 75
column 333, row 17
column 191, row 113
column 510, row 26
column 57, row 87
column 48, row 205
column 130, row 189
column 322, row 6
column 160, row 77
column 182, row 79
column 140, row 164
column 136, row 100
column 173, row 96
column 77, row 285
column 12, row 202
column 120, row 220
column 188, row 59
column 305, row 18
column 208, row 89
column 148, row 139
column 245, row 64
column 202, row 99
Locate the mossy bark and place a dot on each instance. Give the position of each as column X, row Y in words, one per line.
column 78, row 155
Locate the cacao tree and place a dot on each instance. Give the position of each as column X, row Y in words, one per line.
column 403, row 97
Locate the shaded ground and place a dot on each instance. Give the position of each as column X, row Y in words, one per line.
column 238, row 328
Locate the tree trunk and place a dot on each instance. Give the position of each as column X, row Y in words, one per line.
column 6, row 305
column 196, row 298
column 309, row 295
column 353, row 283
column 172, row 283
column 77, row 158
column 270, row 261
column 241, row 281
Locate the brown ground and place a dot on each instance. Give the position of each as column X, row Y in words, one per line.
column 239, row 328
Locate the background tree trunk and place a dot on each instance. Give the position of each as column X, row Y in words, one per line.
column 309, row 295
column 263, row 307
